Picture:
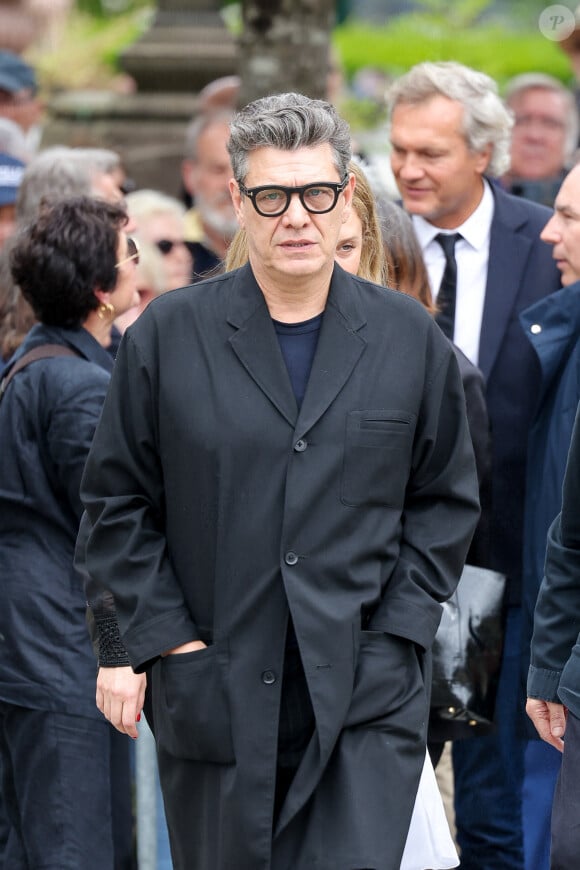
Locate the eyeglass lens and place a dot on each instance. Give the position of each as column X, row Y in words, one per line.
column 319, row 198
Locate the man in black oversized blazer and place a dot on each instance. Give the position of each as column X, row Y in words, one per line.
column 281, row 491
column 449, row 130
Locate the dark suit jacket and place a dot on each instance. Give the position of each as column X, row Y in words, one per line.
column 520, row 271
column 217, row 507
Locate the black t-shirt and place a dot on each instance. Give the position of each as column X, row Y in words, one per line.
column 298, row 345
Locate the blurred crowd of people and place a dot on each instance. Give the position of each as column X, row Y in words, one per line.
column 81, row 257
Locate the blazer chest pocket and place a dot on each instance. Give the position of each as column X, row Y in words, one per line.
column 377, row 457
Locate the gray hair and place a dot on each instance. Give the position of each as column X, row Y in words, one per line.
column 144, row 204
column 196, row 128
column 58, row 173
column 288, row 122
column 100, row 160
column 543, row 82
column 486, row 121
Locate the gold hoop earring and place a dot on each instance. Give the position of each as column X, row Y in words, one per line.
column 106, row 310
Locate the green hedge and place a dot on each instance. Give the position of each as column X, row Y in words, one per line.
column 499, row 50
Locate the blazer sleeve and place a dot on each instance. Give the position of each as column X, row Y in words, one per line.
column 441, row 508
column 557, row 613
column 123, row 494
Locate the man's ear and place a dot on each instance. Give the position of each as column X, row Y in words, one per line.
column 188, row 175
column 482, row 159
column 102, row 295
column 237, row 201
column 348, row 194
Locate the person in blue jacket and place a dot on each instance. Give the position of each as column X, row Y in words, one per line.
column 554, row 675
column 75, row 266
column 552, row 326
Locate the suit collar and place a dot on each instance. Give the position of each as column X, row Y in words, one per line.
column 79, row 340
column 509, row 249
column 256, row 346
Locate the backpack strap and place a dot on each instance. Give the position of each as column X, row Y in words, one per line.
column 43, row 351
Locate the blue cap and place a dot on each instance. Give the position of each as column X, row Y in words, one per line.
column 11, row 172
column 15, row 74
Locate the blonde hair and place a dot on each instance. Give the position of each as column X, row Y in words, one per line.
column 372, row 266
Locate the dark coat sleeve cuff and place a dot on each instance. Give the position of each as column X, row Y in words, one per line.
column 544, row 684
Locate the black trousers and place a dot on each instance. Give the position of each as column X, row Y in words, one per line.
column 65, row 792
column 565, row 852
column 296, row 722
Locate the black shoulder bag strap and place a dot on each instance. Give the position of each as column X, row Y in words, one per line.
column 43, row 351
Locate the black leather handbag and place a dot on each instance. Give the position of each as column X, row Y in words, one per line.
column 467, row 656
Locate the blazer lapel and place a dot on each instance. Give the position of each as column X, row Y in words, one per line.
column 338, row 351
column 509, row 250
column 256, row 345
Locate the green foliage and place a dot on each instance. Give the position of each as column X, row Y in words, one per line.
column 86, row 53
column 362, row 114
column 498, row 50
column 465, row 13
column 107, row 8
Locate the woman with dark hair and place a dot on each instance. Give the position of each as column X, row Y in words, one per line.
column 76, row 268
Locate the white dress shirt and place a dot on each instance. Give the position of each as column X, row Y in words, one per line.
column 471, row 254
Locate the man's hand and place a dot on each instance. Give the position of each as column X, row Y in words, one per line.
column 120, row 697
column 549, row 720
column 190, row 646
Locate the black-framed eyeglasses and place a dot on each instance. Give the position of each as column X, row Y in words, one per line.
column 317, row 198
column 132, row 253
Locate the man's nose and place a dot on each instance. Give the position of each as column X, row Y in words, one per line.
column 551, row 232
column 296, row 214
column 410, row 167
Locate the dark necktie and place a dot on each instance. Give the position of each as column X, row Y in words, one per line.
column 445, row 317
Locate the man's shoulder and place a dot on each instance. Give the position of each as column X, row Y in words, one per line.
column 394, row 317
column 196, row 307
column 192, row 296
column 515, row 213
column 376, row 296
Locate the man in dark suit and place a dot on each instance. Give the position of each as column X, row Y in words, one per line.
column 449, row 130
column 281, row 491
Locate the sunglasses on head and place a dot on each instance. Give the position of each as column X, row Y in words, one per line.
column 132, row 253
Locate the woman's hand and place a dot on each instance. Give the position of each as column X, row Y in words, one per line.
column 120, row 697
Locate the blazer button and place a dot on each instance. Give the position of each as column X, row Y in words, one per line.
column 291, row 558
column 535, row 328
column 268, row 677
column 300, row 446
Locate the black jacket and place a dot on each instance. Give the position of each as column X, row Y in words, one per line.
column 217, row 507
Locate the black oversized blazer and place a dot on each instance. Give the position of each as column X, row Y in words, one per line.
column 217, row 506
